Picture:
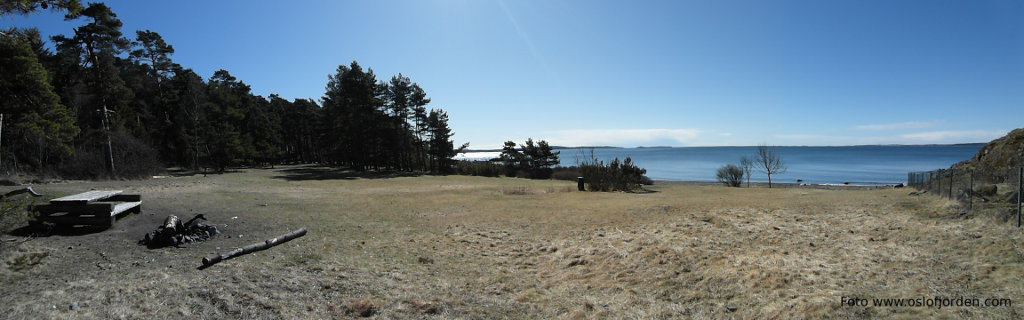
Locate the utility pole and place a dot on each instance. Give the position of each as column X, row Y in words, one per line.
column 106, row 128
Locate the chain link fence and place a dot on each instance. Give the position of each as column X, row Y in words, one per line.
column 997, row 191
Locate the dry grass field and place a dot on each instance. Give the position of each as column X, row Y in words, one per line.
column 472, row 247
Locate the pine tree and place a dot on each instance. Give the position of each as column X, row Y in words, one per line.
column 96, row 46
column 35, row 128
column 223, row 111
column 299, row 137
column 441, row 148
column 187, row 95
column 261, row 132
column 149, row 67
column 31, row 6
column 155, row 53
column 535, row 160
column 351, row 113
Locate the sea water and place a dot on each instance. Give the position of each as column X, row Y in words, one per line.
column 857, row 165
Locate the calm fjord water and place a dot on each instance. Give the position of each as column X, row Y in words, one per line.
column 865, row 165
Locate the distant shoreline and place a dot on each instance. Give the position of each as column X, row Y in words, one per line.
column 671, row 147
column 831, row 167
column 776, row 185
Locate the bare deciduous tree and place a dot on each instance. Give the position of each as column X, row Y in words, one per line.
column 746, row 164
column 769, row 162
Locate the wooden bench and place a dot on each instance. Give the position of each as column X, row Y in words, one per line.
column 96, row 208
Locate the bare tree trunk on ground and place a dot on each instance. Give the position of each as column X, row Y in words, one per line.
column 215, row 258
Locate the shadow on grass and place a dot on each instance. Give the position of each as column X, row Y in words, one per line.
column 645, row 191
column 329, row 173
column 41, row 231
column 180, row 172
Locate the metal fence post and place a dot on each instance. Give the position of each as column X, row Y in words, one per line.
column 931, row 181
column 970, row 193
column 951, row 172
column 1020, row 176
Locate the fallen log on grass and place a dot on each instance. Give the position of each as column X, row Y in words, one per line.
column 215, row 258
column 22, row 190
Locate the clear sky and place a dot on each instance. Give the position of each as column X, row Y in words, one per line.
column 630, row 73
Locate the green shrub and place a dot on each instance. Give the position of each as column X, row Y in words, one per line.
column 566, row 173
column 132, row 159
column 534, row 161
column 615, row 176
column 730, row 175
column 26, row 261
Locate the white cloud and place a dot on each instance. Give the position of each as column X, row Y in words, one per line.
column 899, row 126
column 624, row 137
column 931, row 137
column 955, row 136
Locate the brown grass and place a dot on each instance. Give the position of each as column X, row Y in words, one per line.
column 473, row 247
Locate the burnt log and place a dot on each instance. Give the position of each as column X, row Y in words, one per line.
column 197, row 217
column 171, row 224
column 215, row 258
column 173, row 232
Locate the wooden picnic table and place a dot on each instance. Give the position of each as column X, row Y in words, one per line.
column 97, row 207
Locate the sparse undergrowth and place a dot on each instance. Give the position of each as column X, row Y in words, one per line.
column 26, row 261
column 470, row 247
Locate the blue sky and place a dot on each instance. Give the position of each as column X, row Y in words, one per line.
column 631, row 73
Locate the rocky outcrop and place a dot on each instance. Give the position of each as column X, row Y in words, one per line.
column 1004, row 152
